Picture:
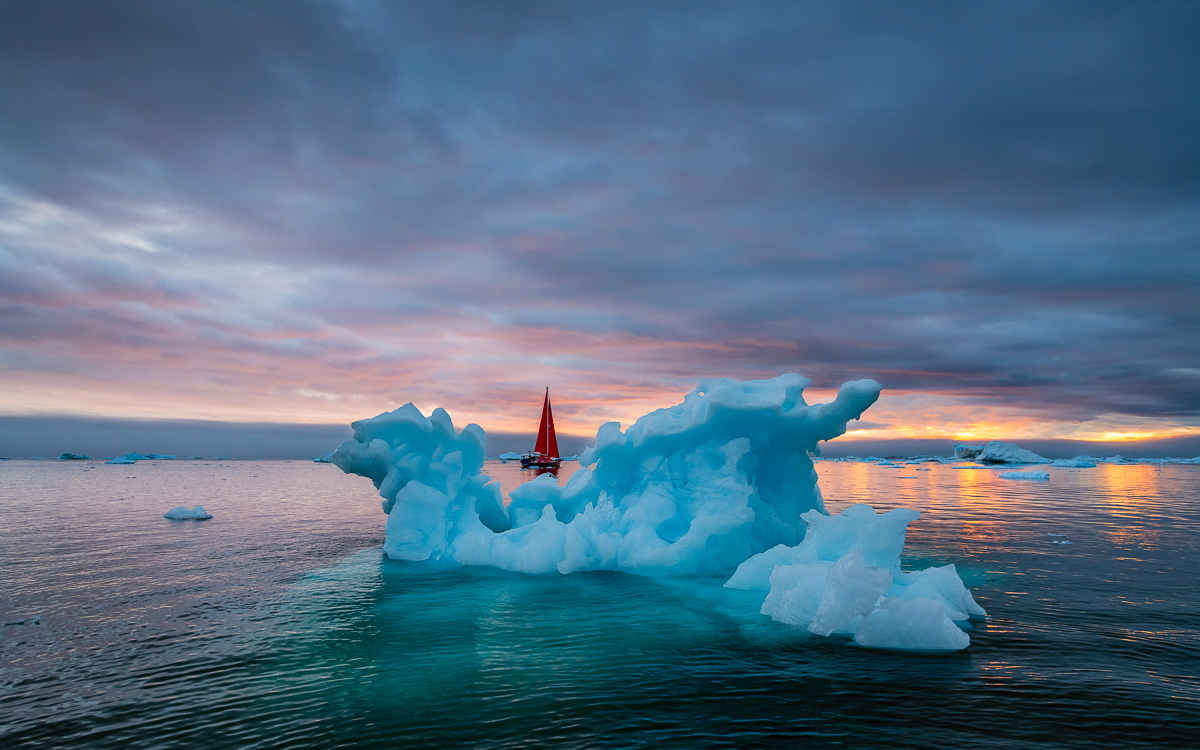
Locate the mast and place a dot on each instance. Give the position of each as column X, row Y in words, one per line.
column 547, row 441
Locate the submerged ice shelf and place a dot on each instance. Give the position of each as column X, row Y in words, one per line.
column 710, row 486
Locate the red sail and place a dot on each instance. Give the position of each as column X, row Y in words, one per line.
column 547, row 441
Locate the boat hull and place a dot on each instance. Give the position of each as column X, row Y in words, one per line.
column 540, row 463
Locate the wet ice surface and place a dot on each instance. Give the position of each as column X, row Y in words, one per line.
column 279, row 623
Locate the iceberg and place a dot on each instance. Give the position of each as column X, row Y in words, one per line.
column 997, row 452
column 967, row 452
column 1036, row 476
column 720, row 483
column 1079, row 462
column 122, row 461
column 180, row 513
column 510, row 456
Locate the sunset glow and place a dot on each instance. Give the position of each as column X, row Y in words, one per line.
column 422, row 221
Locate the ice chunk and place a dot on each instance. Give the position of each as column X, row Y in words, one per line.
column 879, row 539
column 122, row 461
column 910, row 625
column 1036, row 476
column 846, row 568
column 941, row 585
column 180, row 513
column 852, row 590
column 796, row 593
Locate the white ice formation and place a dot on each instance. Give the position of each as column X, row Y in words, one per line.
column 997, row 452
column 699, row 488
column 180, row 513
column 1035, row 476
column 845, row 579
column 1079, row 462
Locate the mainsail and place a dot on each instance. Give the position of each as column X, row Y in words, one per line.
column 547, row 441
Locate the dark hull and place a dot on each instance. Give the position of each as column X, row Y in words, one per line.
column 540, row 463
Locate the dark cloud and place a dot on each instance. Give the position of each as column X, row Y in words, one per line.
column 993, row 201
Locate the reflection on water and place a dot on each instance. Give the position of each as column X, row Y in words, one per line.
column 280, row 624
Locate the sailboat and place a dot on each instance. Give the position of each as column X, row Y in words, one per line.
column 545, row 451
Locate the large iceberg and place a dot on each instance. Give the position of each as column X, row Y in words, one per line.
column 695, row 489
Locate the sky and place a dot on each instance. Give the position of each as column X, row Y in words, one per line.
column 311, row 212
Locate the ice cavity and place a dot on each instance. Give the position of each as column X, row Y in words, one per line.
column 695, row 488
column 845, row 579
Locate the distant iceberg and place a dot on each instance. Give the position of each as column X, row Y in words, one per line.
column 698, row 488
column 122, row 460
column 149, row 457
column 997, row 452
column 510, row 456
column 181, row 513
column 967, row 452
column 1079, row 462
column 74, row 457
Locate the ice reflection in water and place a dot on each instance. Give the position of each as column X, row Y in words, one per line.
column 278, row 623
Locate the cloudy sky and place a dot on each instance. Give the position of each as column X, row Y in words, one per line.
column 311, row 212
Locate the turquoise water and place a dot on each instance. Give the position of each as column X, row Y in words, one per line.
column 279, row 623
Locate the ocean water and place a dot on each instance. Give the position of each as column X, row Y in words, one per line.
column 280, row 623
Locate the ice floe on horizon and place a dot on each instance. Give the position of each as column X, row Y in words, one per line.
column 1035, row 476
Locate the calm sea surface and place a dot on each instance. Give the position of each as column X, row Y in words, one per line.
column 280, row 623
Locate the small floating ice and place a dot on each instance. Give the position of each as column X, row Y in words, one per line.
column 181, row 513
column 1036, row 476
column 122, row 461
